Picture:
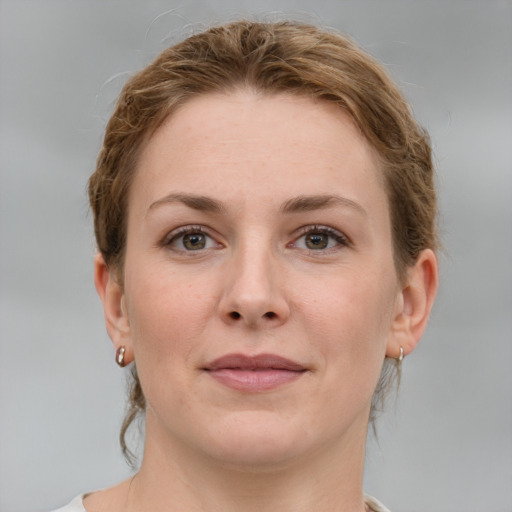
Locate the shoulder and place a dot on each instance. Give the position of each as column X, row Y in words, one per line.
column 110, row 499
column 77, row 505
column 374, row 504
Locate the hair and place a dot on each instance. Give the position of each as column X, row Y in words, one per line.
column 271, row 58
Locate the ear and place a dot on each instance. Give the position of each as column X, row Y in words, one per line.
column 114, row 308
column 414, row 304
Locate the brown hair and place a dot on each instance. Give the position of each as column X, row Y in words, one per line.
column 271, row 58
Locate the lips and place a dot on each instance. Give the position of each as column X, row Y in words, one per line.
column 254, row 373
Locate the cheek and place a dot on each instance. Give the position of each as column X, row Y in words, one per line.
column 346, row 321
column 350, row 319
column 166, row 314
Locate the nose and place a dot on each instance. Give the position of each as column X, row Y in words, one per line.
column 253, row 293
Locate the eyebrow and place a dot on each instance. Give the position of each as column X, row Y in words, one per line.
column 305, row 203
column 196, row 202
column 318, row 202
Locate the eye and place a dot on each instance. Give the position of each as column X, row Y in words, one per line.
column 320, row 238
column 188, row 239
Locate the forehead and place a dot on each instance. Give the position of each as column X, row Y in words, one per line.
column 247, row 140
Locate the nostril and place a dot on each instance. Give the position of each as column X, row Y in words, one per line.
column 235, row 315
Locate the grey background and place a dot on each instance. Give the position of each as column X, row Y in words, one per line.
column 446, row 444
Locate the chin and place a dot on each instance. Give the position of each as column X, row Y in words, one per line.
column 256, row 440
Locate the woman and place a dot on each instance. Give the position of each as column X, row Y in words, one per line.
column 265, row 217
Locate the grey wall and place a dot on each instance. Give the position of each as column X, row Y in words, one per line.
column 447, row 443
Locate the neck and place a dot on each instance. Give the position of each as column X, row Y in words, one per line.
column 326, row 480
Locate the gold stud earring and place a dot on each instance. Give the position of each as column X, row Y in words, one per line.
column 120, row 357
column 400, row 358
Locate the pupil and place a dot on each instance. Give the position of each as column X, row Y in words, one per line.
column 194, row 241
column 316, row 241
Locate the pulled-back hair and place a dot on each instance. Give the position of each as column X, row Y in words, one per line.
column 270, row 58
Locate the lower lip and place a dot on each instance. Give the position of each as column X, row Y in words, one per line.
column 254, row 380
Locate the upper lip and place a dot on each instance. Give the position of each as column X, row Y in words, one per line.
column 255, row 362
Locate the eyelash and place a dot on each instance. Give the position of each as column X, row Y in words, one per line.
column 175, row 235
column 340, row 238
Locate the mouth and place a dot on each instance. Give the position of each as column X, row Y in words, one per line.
column 254, row 373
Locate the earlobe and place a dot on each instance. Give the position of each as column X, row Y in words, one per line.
column 414, row 305
column 114, row 308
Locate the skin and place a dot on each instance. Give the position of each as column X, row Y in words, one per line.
column 259, row 285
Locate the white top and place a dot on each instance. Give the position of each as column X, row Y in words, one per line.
column 77, row 505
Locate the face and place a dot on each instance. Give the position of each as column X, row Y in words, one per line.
column 259, row 286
